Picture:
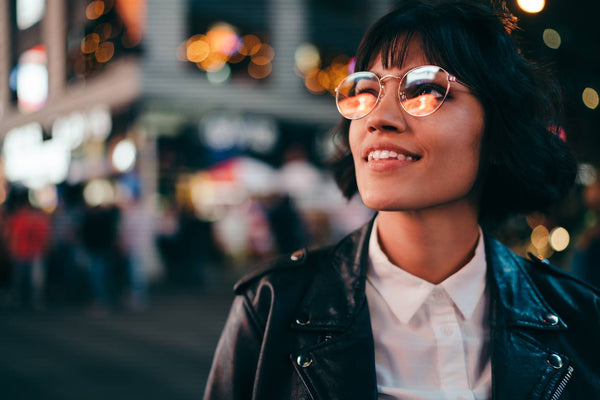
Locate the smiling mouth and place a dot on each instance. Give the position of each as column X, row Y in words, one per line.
column 390, row 155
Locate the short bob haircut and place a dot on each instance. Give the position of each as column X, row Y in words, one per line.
column 524, row 166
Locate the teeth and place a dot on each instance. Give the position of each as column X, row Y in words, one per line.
column 389, row 154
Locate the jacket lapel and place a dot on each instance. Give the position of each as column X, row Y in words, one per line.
column 342, row 364
column 523, row 367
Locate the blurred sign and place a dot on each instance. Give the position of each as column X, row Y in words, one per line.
column 30, row 159
column 221, row 132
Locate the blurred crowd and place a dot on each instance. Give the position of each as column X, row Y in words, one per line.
column 96, row 257
column 110, row 257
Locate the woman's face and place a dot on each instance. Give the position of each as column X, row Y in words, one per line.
column 441, row 151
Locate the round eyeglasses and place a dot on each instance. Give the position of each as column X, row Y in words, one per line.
column 422, row 91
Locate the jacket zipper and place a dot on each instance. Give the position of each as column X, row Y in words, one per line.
column 563, row 383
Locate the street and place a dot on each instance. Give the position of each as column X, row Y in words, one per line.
column 162, row 353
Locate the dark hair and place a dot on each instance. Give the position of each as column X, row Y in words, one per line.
column 524, row 165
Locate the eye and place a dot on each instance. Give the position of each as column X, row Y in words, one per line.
column 425, row 88
column 366, row 86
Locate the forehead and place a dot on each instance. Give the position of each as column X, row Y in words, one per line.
column 410, row 55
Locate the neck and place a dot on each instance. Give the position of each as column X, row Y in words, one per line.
column 430, row 244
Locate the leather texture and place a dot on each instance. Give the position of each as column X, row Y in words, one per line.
column 300, row 329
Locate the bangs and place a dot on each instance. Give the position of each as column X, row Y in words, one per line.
column 391, row 44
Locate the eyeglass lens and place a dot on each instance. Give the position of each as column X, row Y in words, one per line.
column 422, row 91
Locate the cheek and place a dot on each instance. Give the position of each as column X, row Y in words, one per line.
column 353, row 138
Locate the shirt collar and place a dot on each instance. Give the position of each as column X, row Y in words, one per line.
column 406, row 293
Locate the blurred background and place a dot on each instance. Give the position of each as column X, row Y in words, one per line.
column 152, row 152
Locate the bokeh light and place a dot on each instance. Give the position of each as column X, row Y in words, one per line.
column 197, row 49
column 532, row 6
column 219, row 77
column 264, row 55
column 32, row 79
column 98, row 192
column 223, row 38
column 539, row 237
column 586, row 174
column 29, row 12
column 590, row 98
column 124, row 155
column 307, row 58
column 104, row 52
column 44, row 198
column 94, row 10
column 551, row 38
column 250, row 45
column 259, row 71
column 89, row 43
column 559, row 238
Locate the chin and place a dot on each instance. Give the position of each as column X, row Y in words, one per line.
column 381, row 202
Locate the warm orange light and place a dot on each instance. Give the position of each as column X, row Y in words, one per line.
column 311, row 81
column 259, row 71
column 357, row 105
column 324, row 81
column 223, row 38
column 133, row 13
column 89, row 43
column 532, row 6
column 94, row 10
column 250, row 45
column 213, row 62
column 424, row 104
column 197, row 49
column 264, row 55
column 539, row 237
column 104, row 52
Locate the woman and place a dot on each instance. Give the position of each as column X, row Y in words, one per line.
column 446, row 129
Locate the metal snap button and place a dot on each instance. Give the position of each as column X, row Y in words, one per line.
column 303, row 319
column 298, row 255
column 555, row 361
column 303, row 360
column 551, row 319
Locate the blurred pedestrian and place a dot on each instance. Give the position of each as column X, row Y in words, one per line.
column 99, row 236
column 133, row 228
column 446, row 130
column 27, row 235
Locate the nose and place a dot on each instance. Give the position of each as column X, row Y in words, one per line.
column 388, row 115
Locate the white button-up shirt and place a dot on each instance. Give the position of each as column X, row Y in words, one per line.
column 431, row 341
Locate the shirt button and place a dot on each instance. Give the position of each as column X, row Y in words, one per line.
column 447, row 331
column 437, row 295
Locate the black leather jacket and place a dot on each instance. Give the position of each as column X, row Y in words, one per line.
column 300, row 329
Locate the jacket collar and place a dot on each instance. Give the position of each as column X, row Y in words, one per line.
column 520, row 300
column 337, row 292
column 342, row 275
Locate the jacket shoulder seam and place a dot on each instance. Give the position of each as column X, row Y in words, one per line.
column 547, row 268
column 293, row 261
